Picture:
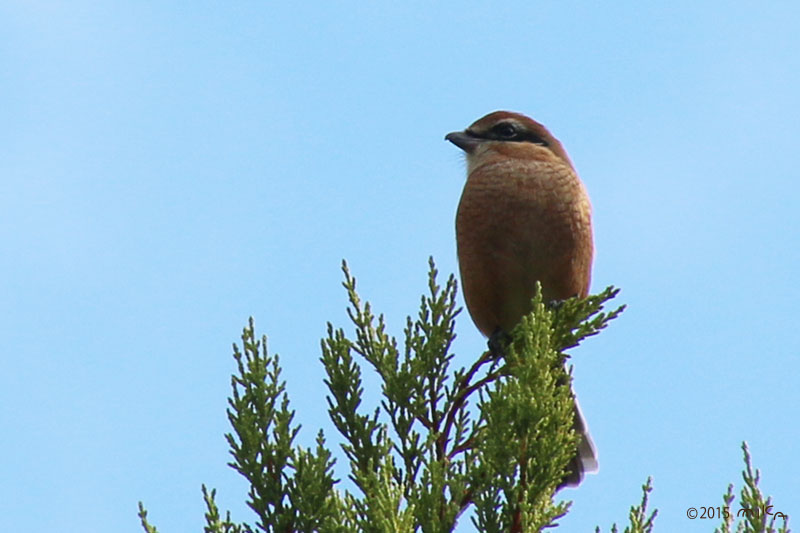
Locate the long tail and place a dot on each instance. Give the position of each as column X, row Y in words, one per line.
column 585, row 461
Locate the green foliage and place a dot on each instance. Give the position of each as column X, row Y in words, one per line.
column 525, row 400
column 506, row 457
column 757, row 513
column 495, row 436
column 640, row 520
column 214, row 524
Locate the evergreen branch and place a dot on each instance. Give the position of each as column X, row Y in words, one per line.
column 214, row 523
column 148, row 528
column 759, row 513
column 459, row 399
column 460, row 403
column 639, row 520
column 505, row 459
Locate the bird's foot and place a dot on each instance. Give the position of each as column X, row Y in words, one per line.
column 498, row 342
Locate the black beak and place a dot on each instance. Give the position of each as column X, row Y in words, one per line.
column 463, row 140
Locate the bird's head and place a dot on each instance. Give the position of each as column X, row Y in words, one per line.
column 508, row 135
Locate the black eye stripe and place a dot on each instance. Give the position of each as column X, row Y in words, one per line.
column 508, row 132
column 505, row 130
column 532, row 138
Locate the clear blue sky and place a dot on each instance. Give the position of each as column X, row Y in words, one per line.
column 169, row 169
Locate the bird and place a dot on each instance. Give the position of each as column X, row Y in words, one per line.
column 524, row 217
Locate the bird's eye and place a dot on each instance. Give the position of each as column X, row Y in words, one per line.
column 505, row 130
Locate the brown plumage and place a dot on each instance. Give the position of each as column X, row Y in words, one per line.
column 524, row 216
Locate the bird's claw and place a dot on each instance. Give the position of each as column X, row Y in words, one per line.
column 497, row 343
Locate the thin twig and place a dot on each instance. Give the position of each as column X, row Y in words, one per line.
column 463, row 392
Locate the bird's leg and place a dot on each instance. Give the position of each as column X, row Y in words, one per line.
column 497, row 343
column 555, row 305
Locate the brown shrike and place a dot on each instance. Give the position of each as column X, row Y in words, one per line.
column 524, row 216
